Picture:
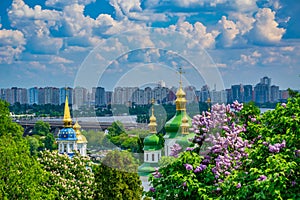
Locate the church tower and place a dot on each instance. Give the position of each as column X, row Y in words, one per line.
column 67, row 140
column 177, row 128
column 152, row 152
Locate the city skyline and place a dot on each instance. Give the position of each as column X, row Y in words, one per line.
column 113, row 43
column 263, row 92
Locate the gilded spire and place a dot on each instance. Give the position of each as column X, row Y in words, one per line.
column 67, row 116
column 180, row 94
column 152, row 125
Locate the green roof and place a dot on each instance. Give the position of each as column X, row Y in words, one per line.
column 147, row 169
column 172, row 127
column 151, row 143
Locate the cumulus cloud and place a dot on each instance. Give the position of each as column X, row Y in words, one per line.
column 265, row 28
column 34, row 23
column 249, row 59
column 244, row 5
column 197, row 33
column 125, row 7
column 228, row 30
column 11, row 45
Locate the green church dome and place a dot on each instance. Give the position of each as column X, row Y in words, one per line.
column 151, row 142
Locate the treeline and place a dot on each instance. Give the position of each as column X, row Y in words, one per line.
column 46, row 174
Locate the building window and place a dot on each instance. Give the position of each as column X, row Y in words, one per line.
column 71, row 147
column 152, row 157
column 147, row 157
column 65, row 148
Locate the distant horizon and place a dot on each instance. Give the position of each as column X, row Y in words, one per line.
column 152, row 86
column 124, row 43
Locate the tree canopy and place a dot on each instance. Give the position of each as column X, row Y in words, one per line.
column 116, row 177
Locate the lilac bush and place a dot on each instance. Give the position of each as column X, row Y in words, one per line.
column 239, row 154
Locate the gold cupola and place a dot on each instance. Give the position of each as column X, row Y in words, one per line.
column 152, row 125
column 67, row 116
column 180, row 95
column 80, row 138
column 184, row 124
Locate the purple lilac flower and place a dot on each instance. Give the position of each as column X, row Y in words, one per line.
column 152, row 189
column 283, row 105
column 200, row 168
column 238, row 185
column 189, row 149
column 262, row 178
column 156, row 174
column 227, row 173
column 294, row 183
column 175, row 150
column 188, row 166
column 184, row 184
column 297, row 153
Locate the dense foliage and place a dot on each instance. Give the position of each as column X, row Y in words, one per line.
column 116, row 177
column 240, row 154
column 21, row 176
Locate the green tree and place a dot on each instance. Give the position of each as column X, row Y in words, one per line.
column 21, row 176
column 49, row 142
column 71, row 178
column 7, row 127
column 34, row 144
column 116, row 128
column 41, row 128
column 116, row 177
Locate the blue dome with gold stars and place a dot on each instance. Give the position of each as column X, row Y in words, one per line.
column 67, row 134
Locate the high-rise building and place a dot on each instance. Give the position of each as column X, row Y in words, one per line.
column 79, row 97
column 229, row 95
column 190, row 94
column 248, row 93
column 218, row 97
column 237, row 93
column 33, row 96
column 62, row 95
column 274, row 97
column 262, row 90
column 51, row 95
column 100, row 99
column 108, row 97
column 205, row 95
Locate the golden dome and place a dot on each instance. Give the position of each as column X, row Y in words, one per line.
column 184, row 124
column 80, row 138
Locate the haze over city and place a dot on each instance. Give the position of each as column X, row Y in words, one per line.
column 112, row 43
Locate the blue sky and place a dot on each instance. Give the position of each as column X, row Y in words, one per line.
column 139, row 42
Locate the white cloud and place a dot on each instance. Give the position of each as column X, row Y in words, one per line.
column 37, row 66
column 244, row 5
column 244, row 22
column 249, row 59
column 63, row 3
column 125, row 7
column 197, row 33
column 57, row 59
column 265, row 29
column 11, row 45
column 228, row 30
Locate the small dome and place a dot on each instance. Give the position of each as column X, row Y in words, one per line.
column 180, row 92
column 67, row 134
column 81, row 139
column 151, row 142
